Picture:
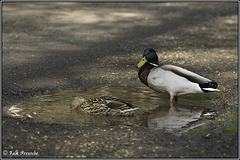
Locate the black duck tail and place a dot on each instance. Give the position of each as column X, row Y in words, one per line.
column 209, row 87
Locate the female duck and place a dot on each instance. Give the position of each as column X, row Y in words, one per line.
column 104, row 105
column 173, row 79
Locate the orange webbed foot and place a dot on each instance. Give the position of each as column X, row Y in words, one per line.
column 171, row 101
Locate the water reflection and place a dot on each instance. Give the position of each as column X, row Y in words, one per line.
column 174, row 117
column 154, row 111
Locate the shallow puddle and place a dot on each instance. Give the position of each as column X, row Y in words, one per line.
column 154, row 111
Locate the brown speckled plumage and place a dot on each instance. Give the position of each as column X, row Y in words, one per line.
column 104, row 105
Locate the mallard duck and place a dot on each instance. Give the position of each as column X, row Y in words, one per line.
column 173, row 79
column 104, row 105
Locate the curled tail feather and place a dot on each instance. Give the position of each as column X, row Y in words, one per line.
column 209, row 87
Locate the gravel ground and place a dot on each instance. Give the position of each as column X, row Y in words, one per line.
column 51, row 47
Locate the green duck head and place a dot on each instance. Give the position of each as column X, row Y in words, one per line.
column 149, row 55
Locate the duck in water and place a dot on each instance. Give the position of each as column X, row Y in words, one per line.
column 172, row 79
column 104, row 105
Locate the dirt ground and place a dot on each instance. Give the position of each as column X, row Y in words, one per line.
column 51, row 47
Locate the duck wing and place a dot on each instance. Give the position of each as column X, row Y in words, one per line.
column 114, row 100
column 116, row 103
column 191, row 76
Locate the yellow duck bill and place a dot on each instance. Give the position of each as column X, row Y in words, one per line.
column 142, row 62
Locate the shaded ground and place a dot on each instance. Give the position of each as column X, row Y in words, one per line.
column 50, row 47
